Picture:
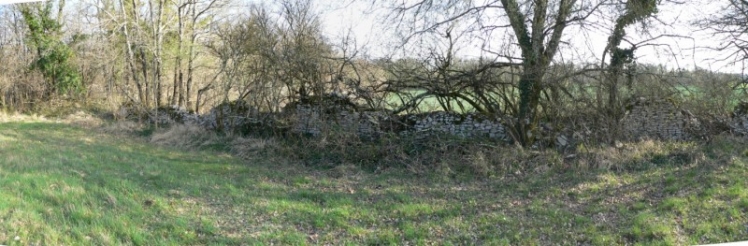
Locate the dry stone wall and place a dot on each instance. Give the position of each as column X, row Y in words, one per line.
column 459, row 125
column 739, row 125
column 227, row 116
column 645, row 118
column 659, row 119
column 176, row 114
column 315, row 119
column 739, row 119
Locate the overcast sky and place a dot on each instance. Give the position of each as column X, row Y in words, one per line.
column 364, row 22
column 687, row 51
column 17, row 1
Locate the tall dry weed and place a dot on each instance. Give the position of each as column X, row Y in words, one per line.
column 250, row 147
column 635, row 155
column 83, row 119
column 185, row 137
column 121, row 127
column 6, row 117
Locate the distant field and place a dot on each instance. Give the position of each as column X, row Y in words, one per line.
column 427, row 105
column 689, row 91
column 431, row 103
column 62, row 185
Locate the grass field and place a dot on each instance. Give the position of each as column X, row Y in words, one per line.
column 429, row 104
column 64, row 185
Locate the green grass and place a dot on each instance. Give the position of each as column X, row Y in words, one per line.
column 61, row 185
column 430, row 103
column 427, row 104
column 698, row 94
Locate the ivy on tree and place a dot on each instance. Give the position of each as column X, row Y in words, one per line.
column 53, row 55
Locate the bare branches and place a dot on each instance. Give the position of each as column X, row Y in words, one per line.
column 732, row 26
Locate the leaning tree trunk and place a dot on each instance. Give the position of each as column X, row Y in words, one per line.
column 636, row 11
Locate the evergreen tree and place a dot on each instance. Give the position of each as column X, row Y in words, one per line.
column 53, row 59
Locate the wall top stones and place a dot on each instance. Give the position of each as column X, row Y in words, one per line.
column 645, row 118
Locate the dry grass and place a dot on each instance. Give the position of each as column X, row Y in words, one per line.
column 6, row 117
column 122, row 127
column 250, row 147
column 83, row 119
column 185, row 137
column 633, row 155
column 79, row 118
column 444, row 156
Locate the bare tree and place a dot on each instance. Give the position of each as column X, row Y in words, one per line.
column 157, row 36
column 534, row 29
column 729, row 25
column 191, row 16
column 537, row 28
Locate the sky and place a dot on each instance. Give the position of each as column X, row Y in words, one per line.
column 688, row 48
column 364, row 21
column 16, row 1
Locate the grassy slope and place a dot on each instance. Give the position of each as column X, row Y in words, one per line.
column 65, row 185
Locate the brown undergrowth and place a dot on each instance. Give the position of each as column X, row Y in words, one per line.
column 452, row 157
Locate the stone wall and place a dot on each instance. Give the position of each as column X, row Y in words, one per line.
column 459, row 125
column 229, row 116
column 739, row 119
column 658, row 119
column 645, row 118
column 739, row 125
column 315, row 119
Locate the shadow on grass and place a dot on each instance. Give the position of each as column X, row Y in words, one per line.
column 105, row 190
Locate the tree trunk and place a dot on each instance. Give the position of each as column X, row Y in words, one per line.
column 146, row 85
column 635, row 12
column 177, row 95
column 191, row 53
column 158, row 41
column 530, row 86
column 536, row 56
column 131, row 57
